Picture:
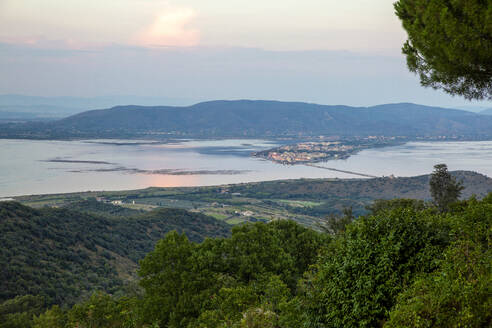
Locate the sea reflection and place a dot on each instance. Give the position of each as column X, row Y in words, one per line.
column 158, row 180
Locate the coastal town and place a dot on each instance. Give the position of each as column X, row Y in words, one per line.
column 307, row 152
column 320, row 151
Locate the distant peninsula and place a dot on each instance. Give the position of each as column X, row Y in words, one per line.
column 321, row 151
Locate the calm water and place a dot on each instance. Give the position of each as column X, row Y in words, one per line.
column 34, row 167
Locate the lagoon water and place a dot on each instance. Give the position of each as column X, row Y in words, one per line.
column 37, row 167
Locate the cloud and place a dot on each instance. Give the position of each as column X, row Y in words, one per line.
column 171, row 28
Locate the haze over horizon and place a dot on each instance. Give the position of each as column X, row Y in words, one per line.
column 324, row 52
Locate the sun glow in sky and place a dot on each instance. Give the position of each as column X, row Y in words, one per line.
column 274, row 25
column 327, row 51
column 170, row 28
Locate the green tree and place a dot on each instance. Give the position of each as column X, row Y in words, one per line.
column 449, row 44
column 381, row 205
column 100, row 311
column 20, row 311
column 247, row 305
column 259, row 318
column 334, row 224
column 215, row 282
column 444, row 188
column 172, row 289
column 52, row 318
column 459, row 293
column 358, row 278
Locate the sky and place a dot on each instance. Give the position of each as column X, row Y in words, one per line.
column 324, row 51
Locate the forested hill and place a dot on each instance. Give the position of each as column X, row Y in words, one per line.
column 63, row 254
column 404, row 265
column 261, row 119
column 365, row 190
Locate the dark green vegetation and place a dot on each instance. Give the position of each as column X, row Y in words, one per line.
column 404, row 265
column 92, row 206
column 378, row 269
column 199, row 285
column 444, row 188
column 450, row 44
column 63, row 254
column 260, row 119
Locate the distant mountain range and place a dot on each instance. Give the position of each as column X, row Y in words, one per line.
column 21, row 107
column 247, row 118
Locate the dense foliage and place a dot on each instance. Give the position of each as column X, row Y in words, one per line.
column 63, row 254
column 199, row 285
column 405, row 265
column 359, row 277
column 459, row 293
column 450, row 44
column 18, row 312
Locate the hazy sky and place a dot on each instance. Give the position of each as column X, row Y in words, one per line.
column 326, row 51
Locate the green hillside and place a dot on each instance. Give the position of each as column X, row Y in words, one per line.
column 301, row 200
column 400, row 266
column 359, row 189
column 63, row 254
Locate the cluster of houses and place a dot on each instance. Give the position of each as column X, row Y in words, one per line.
column 307, row 152
column 109, row 201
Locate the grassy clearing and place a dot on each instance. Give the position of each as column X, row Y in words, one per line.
column 235, row 221
column 299, row 203
column 144, row 207
column 218, row 216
